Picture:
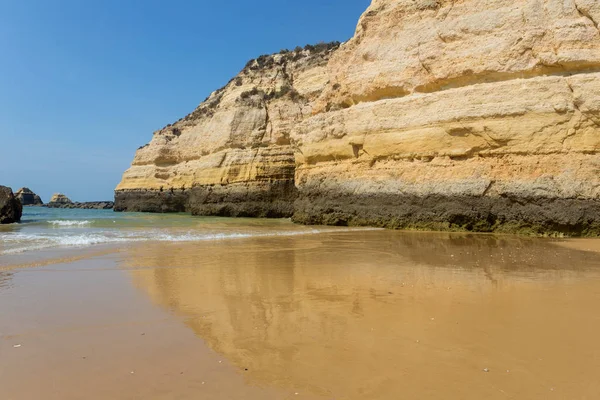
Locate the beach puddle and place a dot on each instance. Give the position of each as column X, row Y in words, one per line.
column 348, row 315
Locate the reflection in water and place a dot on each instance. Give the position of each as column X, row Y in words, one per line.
column 5, row 278
column 379, row 314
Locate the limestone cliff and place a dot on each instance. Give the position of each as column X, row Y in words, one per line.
column 233, row 154
column 448, row 114
column 467, row 114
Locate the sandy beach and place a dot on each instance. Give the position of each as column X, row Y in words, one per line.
column 349, row 315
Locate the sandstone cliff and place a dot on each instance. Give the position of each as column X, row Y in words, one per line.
column 466, row 114
column 232, row 155
column 28, row 197
column 447, row 114
column 10, row 207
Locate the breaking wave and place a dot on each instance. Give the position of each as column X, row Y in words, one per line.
column 70, row 223
column 19, row 243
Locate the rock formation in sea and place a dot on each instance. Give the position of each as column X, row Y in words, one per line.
column 10, row 207
column 59, row 200
column 28, row 197
column 438, row 114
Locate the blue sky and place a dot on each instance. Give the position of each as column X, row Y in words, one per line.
column 84, row 83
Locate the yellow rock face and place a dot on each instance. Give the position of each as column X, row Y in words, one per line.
column 482, row 104
column 463, row 114
column 235, row 144
column 222, row 139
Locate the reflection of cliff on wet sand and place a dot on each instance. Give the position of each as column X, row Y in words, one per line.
column 388, row 314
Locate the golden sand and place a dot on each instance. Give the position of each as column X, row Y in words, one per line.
column 361, row 315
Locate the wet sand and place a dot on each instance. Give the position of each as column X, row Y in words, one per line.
column 360, row 315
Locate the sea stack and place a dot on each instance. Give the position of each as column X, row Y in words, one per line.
column 447, row 115
column 28, row 197
column 59, row 200
column 10, row 207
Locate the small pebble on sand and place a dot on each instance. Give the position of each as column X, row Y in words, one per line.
column 486, row 370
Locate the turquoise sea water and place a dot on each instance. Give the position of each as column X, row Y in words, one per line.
column 43, row 228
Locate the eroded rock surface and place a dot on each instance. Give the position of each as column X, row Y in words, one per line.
column 233, row 155
column 10, row 207
column 28, row 197
column 466, row 114
column 478, row 115
column 59, row 200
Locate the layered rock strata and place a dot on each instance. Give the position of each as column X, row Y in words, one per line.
column 28, row 197
column 232, row 156
column 478, row 115
column 10, row 207
column 59, row 200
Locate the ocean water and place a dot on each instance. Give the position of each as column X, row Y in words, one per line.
column 44, row 228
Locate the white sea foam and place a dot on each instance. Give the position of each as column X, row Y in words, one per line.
column 70, row 222
column 20, row 242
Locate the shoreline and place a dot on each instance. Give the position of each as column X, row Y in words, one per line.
column 72, row 253
column 354, row 315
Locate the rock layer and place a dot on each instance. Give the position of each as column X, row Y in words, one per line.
column 478, row 115
column 233, row 155
column 59, row 200
column 10, row 207
column 28, row 197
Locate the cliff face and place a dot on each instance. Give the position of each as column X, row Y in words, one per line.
column 479, row 115
column 233, row 154
column 466, row 114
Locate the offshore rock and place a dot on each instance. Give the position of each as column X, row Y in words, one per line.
column 89, row 205
column 28, row 197
column 10, row 207
column 232, row 156
column 59, row 200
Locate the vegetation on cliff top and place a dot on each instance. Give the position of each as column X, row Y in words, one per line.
column 210, row 104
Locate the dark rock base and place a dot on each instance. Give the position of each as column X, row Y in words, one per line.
column 280, row 199
column 91, row 205
column 262, row 200
column 153, row 201
column 10, row 207
column 255, row 199
column 532, row 216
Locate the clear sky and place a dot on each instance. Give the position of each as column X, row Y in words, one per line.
column 84, row 83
